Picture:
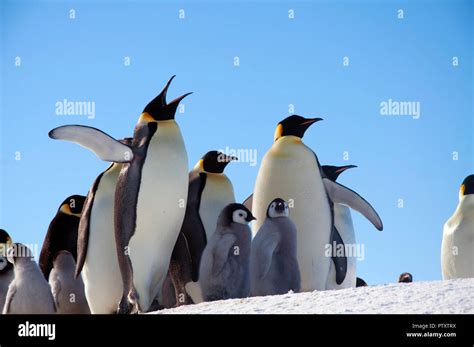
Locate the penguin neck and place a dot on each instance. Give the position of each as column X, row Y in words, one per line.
column 288, row 145
column 24, row 265
column 466, row 204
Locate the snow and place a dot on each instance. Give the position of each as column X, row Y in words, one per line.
column 441, row 297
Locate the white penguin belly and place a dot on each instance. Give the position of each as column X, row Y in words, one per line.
column 289, row 171
column 343, row 223
column 101, row 272
column 217, row 194
column 160, row 210
column 457, row 251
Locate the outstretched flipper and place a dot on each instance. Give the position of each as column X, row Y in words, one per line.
column 103, row 145
column 343, row 195
column 340, row 262
column 248, row 202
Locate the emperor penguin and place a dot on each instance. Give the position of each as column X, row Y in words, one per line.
column 274, row 267
column 291, row 170
column 96, row 249
column 62, row 232
column 405, row 277
column 224, row 269
column 6, row 268
column 67, row 290
column 29, row 292
column 361, row 283
column 345, row 230
column 457, row 249
column 210, row 190
column 150, row 196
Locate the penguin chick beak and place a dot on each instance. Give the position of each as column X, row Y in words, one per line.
column 250, row 218
column 280, row 207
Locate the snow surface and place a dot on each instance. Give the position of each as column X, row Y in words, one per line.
column 453, row 296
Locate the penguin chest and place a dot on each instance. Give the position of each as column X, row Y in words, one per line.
column 216, row 195
column 457, row 252
column 160, row 207
column 101, row 272
column 289, row 171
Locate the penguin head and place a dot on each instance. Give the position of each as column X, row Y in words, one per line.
column 467, row 187
column 64, row 259
column 73, row 205
column 333, row 172
column 294, row 125
column 361, row 283
column 19, row 253
column 405, row 277
column 5, row 243
column 158, row 109
column 235, row 213
column 215, row 162
column 5, row 238
column 278, row 208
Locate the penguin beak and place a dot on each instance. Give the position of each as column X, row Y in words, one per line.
column 280, row 207
column 250, row 218
column 310, row 121
column 344, row 168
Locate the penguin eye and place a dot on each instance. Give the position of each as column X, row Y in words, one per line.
column 241, row 214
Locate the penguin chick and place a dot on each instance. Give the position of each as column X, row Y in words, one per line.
column 68, row 291
column 273, row 264
column 224, row 269
column 405, row 277
column 28, row 293
column 6, row 268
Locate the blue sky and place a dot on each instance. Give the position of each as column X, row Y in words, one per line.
column 282, row 61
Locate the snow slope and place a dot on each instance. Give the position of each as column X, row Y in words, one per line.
column 454, row 296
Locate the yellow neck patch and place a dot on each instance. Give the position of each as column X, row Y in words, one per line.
column 67, row 210
column 146, row 118
column 461, row 191
column 278, row 132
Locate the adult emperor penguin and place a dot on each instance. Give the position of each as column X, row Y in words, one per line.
column 28, row 293
column 274, row 267
column 96, row 249
column 210, row 190
column 457, row 249
column 62, row 232
column 224, row 269
column 68, row 291
column 6, row 268
column 150, row 196
column 345, row 230
column 291, row 170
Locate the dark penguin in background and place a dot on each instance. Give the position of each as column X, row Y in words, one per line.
column 225, row 264
column 6, row 268
column 405, row 277
column 62, row 232
column 210, row 190
column 274, row 267
column 360, row 282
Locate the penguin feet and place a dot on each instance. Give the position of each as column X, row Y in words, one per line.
column 129, row 304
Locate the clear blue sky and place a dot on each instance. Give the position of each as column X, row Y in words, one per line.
column 282, row 62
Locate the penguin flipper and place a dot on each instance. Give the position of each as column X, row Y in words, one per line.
column 9, row 298
column 248, row 202
column 83, row 229
column 343, row 195
column 193, row 228
column 55, row 290
column 104, row 146
column 340, row 262
column 265, row 253
column 221, row 252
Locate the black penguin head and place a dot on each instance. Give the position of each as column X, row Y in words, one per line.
column 278, row 208
column 73, row 205
column 467, row 186
column 294, row 125
column 5, row 243
column 361, row 283
column 215, row 161
column 333, row 172
column 405, row 277
column 4, row 237
column 158, row 109
column 18, row 252
column 235, row 213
